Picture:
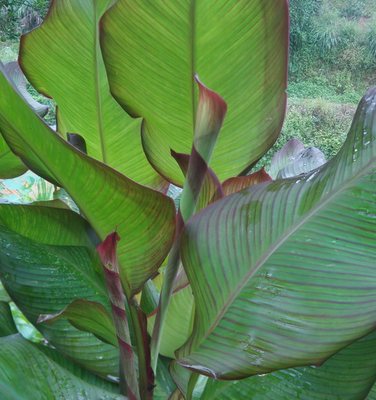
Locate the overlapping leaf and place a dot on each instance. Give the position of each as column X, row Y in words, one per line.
column 88, row 316
column 239, row 50
column 63, row 60
column 347, row 375
column 27, row 372
column 237, row 183
column 43, row 279
column 144, row 218
column 283, row 273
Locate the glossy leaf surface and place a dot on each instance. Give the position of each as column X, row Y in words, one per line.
column 62, row 59
column 283, row 272
column 239, row 49
column 43, row 279
column 41, row 376
column 88, row 316
column 145, row 218
column 347, row 375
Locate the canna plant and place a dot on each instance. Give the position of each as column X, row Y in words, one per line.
column 258, row 286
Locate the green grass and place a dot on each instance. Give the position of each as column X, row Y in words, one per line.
column 315, row 122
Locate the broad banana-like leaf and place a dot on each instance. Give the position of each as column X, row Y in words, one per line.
column 62, row 59
column 14, row 72
column 107, row 252
column 349, row 374
column 26, row 372
column 43, row 279
column 7, row 326
column 144, row 218
column 283, row 273
column 238, row 48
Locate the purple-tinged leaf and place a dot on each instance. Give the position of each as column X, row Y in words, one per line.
column 283, row 273
column 237, row 183
column 107, row 252
column 210, row 114
column 211, row 189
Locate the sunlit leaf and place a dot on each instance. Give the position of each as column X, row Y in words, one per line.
column 239, row 49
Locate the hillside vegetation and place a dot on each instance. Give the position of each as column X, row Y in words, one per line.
column 332, row 64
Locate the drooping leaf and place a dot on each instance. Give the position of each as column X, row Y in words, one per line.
column 48, row 225
column 304, row 162
column 348, row 374
column 239, row 50
column 285, row 156
column 43, row 279
column 237, row 183
column 7, row 326
column 27, row 373
column 14, row 72
column 88, row 316
column 63, row 60
column 283, row 272
column 146, row 218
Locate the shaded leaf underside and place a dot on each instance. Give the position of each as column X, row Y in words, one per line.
column 238, row 49
column 62, row 59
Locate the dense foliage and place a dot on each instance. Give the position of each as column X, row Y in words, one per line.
column 253, row 282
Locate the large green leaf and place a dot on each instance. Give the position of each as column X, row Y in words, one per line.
column 27, row 372
column 347, row 375
column 283, row 273
column 238, row 48
column 145, row 218
column 63, row 60
column 43, row 279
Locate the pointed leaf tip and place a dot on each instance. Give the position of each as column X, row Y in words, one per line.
column 107, row 251
column 211, row 108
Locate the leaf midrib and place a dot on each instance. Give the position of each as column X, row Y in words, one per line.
column 310, row 214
